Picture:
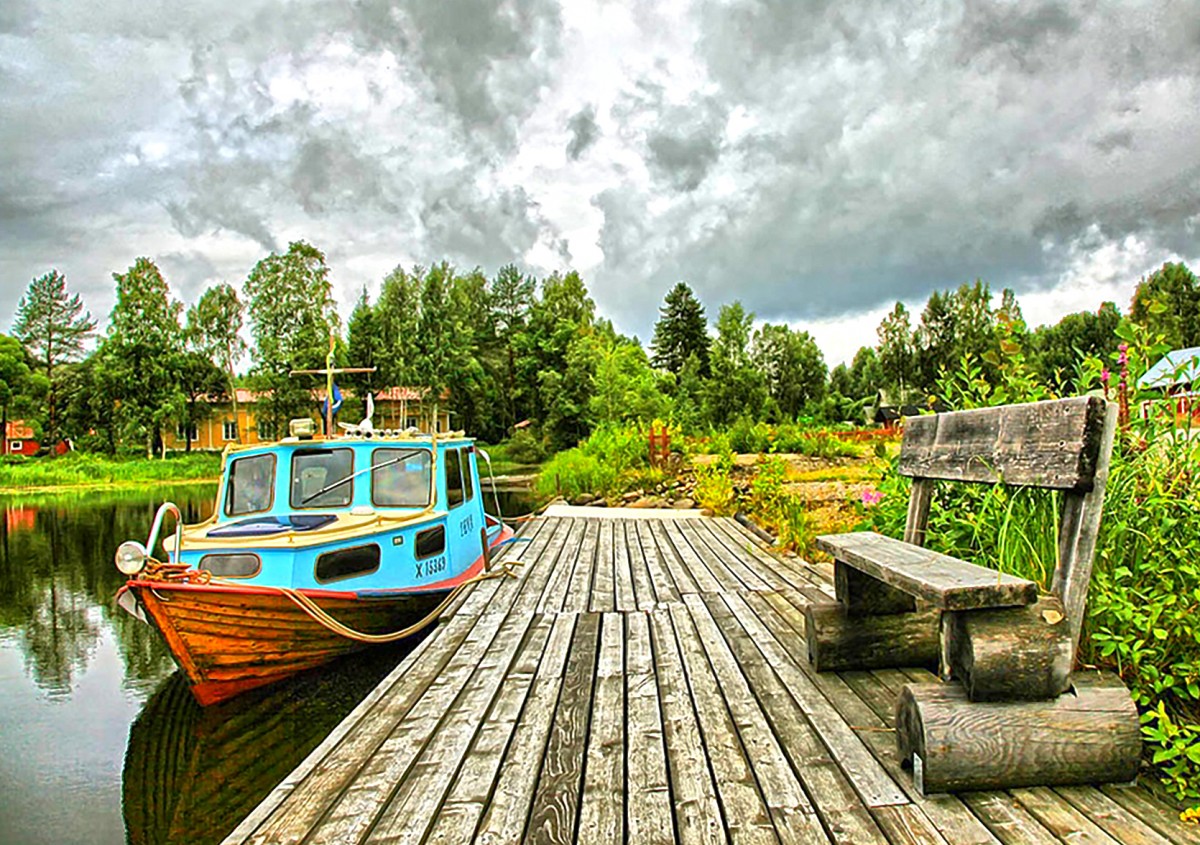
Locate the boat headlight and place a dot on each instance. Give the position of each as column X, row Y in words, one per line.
column 131, row 557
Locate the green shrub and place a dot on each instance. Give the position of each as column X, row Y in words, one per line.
column 714, row 486
column 524, row 448
column 87, row 468
column 778, row 510
column 614, row 459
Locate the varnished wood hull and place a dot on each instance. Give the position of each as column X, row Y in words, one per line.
column 230, row 639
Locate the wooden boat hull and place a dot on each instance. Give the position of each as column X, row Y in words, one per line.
column 230, row 639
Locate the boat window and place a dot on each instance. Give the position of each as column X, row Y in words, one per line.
column 347, row 563
column 321, row 478
column 468, row 479
column 242, row 565
column 430, row 542
column 454, row 479
column 251, row 485
column 401, row 477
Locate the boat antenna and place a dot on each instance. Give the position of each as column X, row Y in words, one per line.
column 328, row 372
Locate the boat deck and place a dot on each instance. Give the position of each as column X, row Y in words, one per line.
column 643, row 679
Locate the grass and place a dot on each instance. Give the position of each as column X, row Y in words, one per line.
column 83, row 469
column 614, row 459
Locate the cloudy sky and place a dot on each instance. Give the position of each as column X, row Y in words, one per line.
column 817, row 160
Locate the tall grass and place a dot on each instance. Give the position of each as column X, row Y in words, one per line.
column 614, row 459
column 1142, row 618
column 748, row 437
column 87, row 469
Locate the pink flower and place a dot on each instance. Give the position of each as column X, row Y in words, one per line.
column 870, row 498
column 1123, row 358
column 1105, row 375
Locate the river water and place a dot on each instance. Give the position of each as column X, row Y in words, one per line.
column 100, row 740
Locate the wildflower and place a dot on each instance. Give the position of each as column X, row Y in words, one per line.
column 870, row 498
column 1105, row 375
column 1123, row 358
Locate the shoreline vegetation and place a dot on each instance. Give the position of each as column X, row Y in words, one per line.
column 86, row 471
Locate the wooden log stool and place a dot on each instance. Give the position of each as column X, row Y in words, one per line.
column 1014, row 714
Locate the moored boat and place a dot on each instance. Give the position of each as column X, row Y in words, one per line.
column 316, row 547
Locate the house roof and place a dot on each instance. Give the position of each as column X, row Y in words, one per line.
column 1180, row 366
column 387, row 394
column 18, row 430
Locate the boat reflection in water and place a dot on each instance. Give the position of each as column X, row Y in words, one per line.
column 193, row 773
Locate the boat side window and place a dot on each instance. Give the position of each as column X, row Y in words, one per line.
column 347, row 563
column 454, row 478
column 400, row 478
column 468, row 479
column 321, row 478
column 251, row 485
column 430, row 542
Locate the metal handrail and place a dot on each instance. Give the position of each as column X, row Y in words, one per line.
column 163, row 509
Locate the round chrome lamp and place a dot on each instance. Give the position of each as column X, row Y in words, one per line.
column 131, row 557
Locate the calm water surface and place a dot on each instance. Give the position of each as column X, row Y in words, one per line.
column 100, row 740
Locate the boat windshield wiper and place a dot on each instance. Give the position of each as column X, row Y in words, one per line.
column 402, row 457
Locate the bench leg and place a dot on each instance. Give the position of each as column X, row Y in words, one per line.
column 1009, row 654
column 837, row 640
column 1088, row 735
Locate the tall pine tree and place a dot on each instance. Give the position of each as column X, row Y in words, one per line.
column 681, row 331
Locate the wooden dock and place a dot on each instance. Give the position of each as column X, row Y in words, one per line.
column 643, row 679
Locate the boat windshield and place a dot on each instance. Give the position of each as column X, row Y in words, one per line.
column 321, row 478
column 400, row 478
column 251, row 486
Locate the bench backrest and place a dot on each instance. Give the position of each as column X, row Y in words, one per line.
column 1063, row 445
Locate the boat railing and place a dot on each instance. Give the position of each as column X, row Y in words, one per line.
column 160, row 514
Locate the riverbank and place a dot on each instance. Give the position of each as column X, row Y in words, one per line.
column 84, row 471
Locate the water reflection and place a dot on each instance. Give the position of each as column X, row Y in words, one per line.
column 192, row 774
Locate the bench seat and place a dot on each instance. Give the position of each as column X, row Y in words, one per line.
column 941, row 580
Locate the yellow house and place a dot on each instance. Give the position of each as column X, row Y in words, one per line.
column 395, row 408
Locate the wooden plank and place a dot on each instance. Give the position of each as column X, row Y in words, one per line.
column 905, row 824
column 471, row 793
column 623, row 587
column 513, row 551
column 579, row 592
column 554, row 814
column 417, row 799
column 603, row 598
column 700, row 533
column 869, row 779
column 917, row 520
column 1060, row 818
column 1118, row 822
column 774, row 570
column 944, row 581
column 1078, row 529
column 643, row 585
column 602, row 814
column 507, row 808
column 559, row 575
column 832, row 797
column 695, row 553
column 690, row 575
column 698, row 816
column 555, row 554
column 1052, row 444
column 648, row 799
column 747, row 818
column 1008, row 820
column 665, row 586
column 1163, row 819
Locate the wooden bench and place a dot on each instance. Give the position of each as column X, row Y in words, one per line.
column 1016, row 715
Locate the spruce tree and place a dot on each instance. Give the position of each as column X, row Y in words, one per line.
column 681, row 331
column 52, row 325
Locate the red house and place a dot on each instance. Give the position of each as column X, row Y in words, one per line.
column 18, row 439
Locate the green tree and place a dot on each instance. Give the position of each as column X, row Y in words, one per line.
column 364, row 344
column 292, row 318
column 511, row 297
column 214, row 326
column 737, row 387
column 625, row 387
column 397, row 314
column 564, row 313
column 954, row 325
column 793, row 367
column 1173, row 286
column 199, row 378
column 144, row 349
column 681, row 331
column 16, row 382
column 52, row 324
column 898, row 353
column 1059, row 350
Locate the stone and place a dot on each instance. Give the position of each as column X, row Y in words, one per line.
column 683, row 504
column 582, row 499
column 648, row 502
column 631, row 496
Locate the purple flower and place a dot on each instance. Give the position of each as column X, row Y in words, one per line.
column 1105, row 375
column 1123, row 358
column 870, row 498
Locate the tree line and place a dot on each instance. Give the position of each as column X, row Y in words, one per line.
column 502, row 350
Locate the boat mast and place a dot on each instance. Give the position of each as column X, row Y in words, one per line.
column 329, row 372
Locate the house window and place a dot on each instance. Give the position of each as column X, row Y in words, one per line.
column 266, row 430
column 18, row 446
column 411, row 422
column 188, row 431
column 229, row 430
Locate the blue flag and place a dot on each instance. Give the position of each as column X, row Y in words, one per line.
column 337, row 401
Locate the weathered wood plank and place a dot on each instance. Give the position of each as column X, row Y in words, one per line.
column 1163, row 819
column 917, row 521
column 553, row 816
column 837, row 640
column 507, row 808
column 698, row 816
column 1009, row 821
column 643, row 583
column 648, row 802
column 665, row 587
column 579, row 592
column 602, row 814
column 747, row 818
column 558, row 576
column 685, row 531
column 1042, row 444
column 747, row 576
column 684, row 563
column 1060, row 818
column 1114, row 819
column 603, row 598
column 941, row 580
column 834, row 799
column 776, row 571
column 905, row 824
column 865, row 595
column 623, row 590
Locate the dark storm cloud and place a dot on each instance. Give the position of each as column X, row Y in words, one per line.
column 889, row 149
column 584, row 131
